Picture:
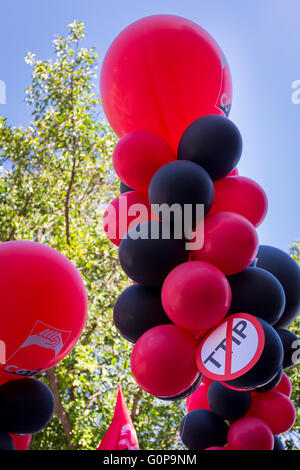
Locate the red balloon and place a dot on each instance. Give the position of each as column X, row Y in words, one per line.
column 234, row 172
column 44, row 305
column 215, row 448
column 250, row 434
column 138, row 155
column 242, row 196
column 124, row 212
column 235, row 388
column 275, row 409
column 206, row 381
column 21, row 442
column 7, row 378
column 230, row 242
column 196, row 295
column 160, row 74
column 198, row 399
column 284, row 386
column 163, row 361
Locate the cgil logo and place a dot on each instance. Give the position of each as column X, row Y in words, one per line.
column 2, row 92
column 42, row 336
column 16, row 370
column 48, row 338
column 225, row 104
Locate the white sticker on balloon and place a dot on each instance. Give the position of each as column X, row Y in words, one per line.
column 232, row 348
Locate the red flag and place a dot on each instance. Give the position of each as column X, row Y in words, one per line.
column 121, row 434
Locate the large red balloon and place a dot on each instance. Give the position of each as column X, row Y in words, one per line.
column 284, row 386
column 160, row 74
column 43, row 305
column 230, row 242
column 124, row 212
column 7, row 378
column 276, row 409
column 163, row 361
column 250, row 434
column 138, row 155
column 198, row 399
column 196, row 295
column 21, row 442
column 242, row 196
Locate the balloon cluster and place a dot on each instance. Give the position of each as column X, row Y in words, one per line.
column 44, row 306
column 221, row 418
column 219, row 305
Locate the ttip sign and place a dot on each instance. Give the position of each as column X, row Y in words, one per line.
column 232, row 348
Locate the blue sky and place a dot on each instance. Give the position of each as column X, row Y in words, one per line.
column 261, row 40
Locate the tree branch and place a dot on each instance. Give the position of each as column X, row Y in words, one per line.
column 59, row 409
column 85, row 338
column 74, row 150
column 93, row 397
column 67, row 201
column 135, row 404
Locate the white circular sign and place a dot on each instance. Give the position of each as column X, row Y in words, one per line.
column 232, row 348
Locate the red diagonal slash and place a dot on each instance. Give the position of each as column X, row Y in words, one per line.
column 228, row 346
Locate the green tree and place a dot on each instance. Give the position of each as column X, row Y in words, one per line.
column 56, row 178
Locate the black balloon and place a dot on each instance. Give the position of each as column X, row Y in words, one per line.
column 181, row 182
column 148, row 259
column 282, row 266
column 291, row 348
column 124, row 188
column 278, row 445
column 267, row 366
column 138, row 309
column 226, row 403
column 258, row 292
column 185, row 394
column 26, row 406
column 201, row 428
column 270, row 385
column 6, row 442
column 213, row 142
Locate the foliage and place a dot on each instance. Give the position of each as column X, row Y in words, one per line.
column 56, row 178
